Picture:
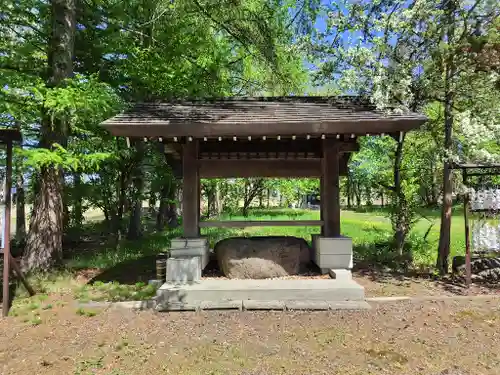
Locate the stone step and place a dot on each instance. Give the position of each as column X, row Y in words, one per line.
column 221, row 291
column 266, row 305
column 340, row 274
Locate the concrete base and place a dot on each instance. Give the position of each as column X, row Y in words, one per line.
column 332, row 252
column 190, row 247
column 340, row 274
column 305, row 294
column 183, row 270
column 188, row 257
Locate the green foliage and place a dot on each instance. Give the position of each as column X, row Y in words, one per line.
column 128, row 52
column 86, row 312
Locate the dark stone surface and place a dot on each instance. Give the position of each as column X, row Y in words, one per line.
column 262, row 257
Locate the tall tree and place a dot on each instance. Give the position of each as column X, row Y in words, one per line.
column 409, row 55
column 44, row 241
column 59, row 90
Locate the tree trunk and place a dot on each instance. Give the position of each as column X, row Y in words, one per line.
column 152, row 204
column 399, row 209
column 210, row 193
column 106, row 217
column 134, row 228
column 252, row 189
column 77, row 201
column 77, row 211
column 173, row 220
column 117, row 217
column 20, row 207
column 268, row 197
column 349, row 193
column 445, row 230
column 162, row 209
column 65, row 199
column 213, row 199
column 369, row 196
column 357, row 195
column 217, row 201
column 44, row 240
column 172, row 216
column 435, row 189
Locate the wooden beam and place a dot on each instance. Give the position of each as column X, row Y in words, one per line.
column 257, row 145
column 330, row 189
column 244, row 168
column 10, row 135
column 273, row 146
column 313, row 127
column 190, row 190
column 260, row 223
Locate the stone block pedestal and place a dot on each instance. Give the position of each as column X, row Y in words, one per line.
column 183, row 270
column 190, row 247
column 332, row 253
column 188, row 257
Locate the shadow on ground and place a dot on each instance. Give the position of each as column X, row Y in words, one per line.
column 129, row 272
column 417, row 283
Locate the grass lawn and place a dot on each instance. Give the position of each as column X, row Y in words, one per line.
column 367, row 229
column 96, row 271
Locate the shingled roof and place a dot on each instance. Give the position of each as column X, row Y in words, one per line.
column 283, row 116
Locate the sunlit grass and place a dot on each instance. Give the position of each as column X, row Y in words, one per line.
column 367, row 229
column 371, row 233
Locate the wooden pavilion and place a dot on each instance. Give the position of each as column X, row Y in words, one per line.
column 260, row 137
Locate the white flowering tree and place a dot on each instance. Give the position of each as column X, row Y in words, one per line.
column 408, row 55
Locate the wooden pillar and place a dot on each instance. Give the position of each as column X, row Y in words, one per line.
column 330, row 201
column 321, row 205
column 6, row 232
column 190, row 190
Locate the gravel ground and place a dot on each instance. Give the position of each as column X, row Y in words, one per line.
column 433, row 338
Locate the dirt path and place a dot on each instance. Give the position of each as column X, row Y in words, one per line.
column 431, row 338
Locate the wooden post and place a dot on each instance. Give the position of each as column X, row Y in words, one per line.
column 190, row 189
column 6, row 232
column 468, row 271
column 321, row 203
column 330, row 202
